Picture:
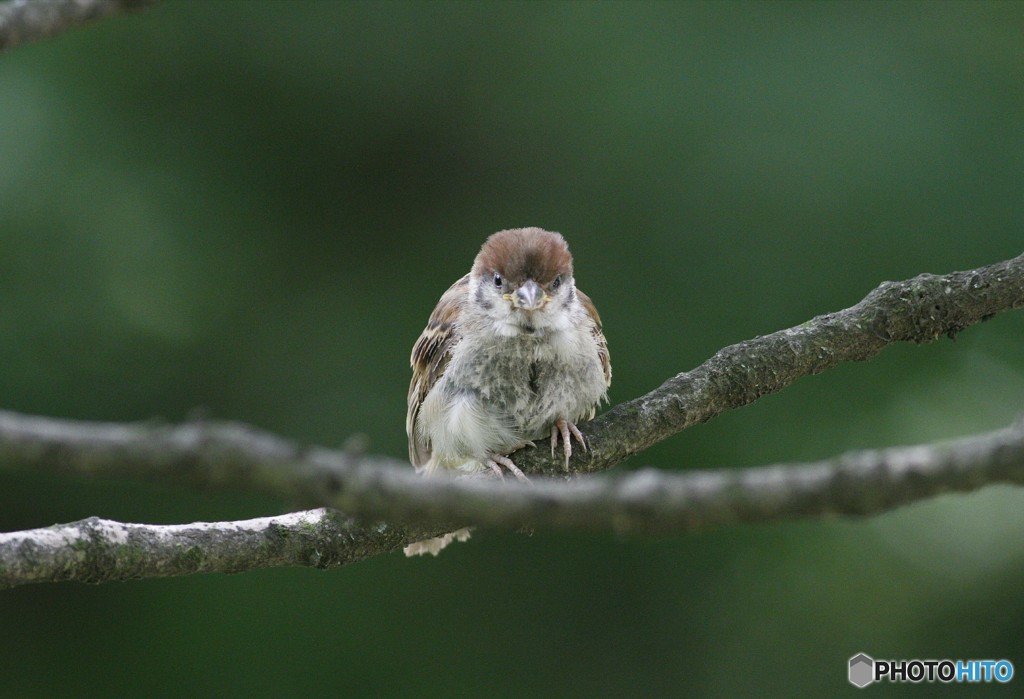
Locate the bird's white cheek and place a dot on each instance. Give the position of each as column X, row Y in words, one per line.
column 498, row 318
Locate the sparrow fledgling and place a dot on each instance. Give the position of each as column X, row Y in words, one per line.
column 513, row 352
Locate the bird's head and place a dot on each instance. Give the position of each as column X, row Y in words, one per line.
column 522, row 282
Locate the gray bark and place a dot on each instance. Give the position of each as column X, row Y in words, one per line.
column 384, row 493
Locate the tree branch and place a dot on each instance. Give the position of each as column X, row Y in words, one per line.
column 98, row 550
column 200, row 454
column 231, row 455
column 917, row 310
column 858, row 483
column 29, row 20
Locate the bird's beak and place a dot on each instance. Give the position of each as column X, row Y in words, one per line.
column 529, row 297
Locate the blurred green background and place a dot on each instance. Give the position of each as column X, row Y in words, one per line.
column 251, row 209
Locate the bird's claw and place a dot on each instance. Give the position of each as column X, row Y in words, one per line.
column 567, row 431
column 496, row 461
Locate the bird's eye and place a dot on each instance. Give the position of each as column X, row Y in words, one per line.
column 498, row 281
column 556, row 283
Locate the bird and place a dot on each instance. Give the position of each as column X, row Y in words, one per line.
column 512, row 353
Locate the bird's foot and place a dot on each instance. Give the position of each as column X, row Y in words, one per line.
column 568, row 432
column 496, row 461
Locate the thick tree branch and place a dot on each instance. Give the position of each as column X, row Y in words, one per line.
column 858, row 483
column 22, row 21
column 235, row 456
